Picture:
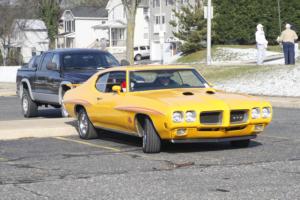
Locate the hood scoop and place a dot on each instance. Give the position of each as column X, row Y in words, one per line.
column 210, row 91
column 188, row 93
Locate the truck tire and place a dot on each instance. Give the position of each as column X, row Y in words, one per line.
column 151, row 140
column 85, row 128
column 29, row 107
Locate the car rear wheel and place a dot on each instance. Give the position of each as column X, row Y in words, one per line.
column 151, row 140
column 240, row 143
column 138, row 57
column 85, row 128
column 29, row 107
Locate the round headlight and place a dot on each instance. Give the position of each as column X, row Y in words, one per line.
column 190, row 116
column 266, row 112
column 255, row 113
column 177, row 116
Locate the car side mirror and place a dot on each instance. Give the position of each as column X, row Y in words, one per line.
column 125, row 62
column 52, row 66
column 116, row 88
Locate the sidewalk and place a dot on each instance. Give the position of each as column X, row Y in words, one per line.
column 15, row 129
column 7, row 89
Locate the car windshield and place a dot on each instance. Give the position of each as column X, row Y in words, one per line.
column 88, row 60
column 165, row 79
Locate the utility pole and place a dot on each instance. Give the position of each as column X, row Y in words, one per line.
column 161, row 33
column 279, row 17
column 208, row 58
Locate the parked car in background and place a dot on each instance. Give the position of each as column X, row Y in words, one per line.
column 141, row 52
column 50, row 75
column 172, row 103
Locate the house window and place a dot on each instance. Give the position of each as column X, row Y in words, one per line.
column 145, row 10
column 156, row 3
column 163, row 19
column 157, row 19
column 69, row 26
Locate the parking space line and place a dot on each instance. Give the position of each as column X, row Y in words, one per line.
column 88, row 144
column 279, row 137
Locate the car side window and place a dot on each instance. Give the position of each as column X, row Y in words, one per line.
column 101, row 82
column 143, row 48
column 116, row 78
column 135, row 49
column 46, row 60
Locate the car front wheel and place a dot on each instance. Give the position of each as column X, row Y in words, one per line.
column 151, row 140
column 29, row 107
column 138, row 57
column 85, row 128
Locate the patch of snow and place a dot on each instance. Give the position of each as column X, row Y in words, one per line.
column 280, row 82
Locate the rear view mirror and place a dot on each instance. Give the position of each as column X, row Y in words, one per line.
column 124, row 62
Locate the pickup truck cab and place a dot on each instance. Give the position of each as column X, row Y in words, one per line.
column 51, row 74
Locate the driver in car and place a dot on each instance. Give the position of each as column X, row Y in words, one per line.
column 165, row 80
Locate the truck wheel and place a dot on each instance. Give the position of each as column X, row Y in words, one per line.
column 138, row 57
column 151, row 140
column 85, row 128
column 29, row 107
column 240, row 143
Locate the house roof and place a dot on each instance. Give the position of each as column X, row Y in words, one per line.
column 30, row 24
column 88, row 11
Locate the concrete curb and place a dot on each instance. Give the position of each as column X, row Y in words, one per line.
column 39, row 128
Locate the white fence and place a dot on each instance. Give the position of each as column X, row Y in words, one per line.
column 8, row 74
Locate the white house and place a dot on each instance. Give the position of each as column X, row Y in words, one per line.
column 30, row 37
column 76, row 26
column 114, row 31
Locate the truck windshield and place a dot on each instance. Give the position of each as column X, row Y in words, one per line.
column 88, row 60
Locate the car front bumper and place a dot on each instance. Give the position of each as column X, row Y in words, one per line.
column 214, row 140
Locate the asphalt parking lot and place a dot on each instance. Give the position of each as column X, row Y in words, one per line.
column 114, row 166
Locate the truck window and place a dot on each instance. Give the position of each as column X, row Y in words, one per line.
column 46, row 60
column 55, row 59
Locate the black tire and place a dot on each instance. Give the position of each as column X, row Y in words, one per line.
column 151, row 140
column 85, row 128
column 240, row 143
column 138, row 57
column 29, row 107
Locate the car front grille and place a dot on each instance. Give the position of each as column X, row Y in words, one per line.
column 212, row 117
column 238, row 116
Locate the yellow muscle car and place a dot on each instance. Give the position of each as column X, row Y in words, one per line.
column 173, row 103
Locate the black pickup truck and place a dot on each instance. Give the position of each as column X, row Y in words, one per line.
column 48, row 76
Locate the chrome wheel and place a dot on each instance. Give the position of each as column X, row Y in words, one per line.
column 83, row 124
column 25, row 105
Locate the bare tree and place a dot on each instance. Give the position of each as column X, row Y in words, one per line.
column 9, row 13
column 130, row 9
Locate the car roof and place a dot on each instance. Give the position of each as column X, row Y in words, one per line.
column 145, row 68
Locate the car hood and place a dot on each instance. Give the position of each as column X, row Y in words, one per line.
column 197, row 98
column 78, row 76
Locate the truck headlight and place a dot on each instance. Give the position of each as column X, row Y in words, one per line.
column 266, row 112
column 255, row 113
column 177, row 116
column 190, row 116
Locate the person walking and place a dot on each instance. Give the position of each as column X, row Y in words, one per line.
column 261, row 44
column 288, row 38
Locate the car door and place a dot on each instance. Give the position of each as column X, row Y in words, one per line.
column 105, row 114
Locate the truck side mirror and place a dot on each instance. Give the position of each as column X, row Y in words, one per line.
column 52, row 66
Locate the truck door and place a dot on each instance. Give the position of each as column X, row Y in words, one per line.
column 41, row 91
column 54, row 78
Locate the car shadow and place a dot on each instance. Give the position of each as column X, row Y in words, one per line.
column 49, row 113
column 167, row 146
